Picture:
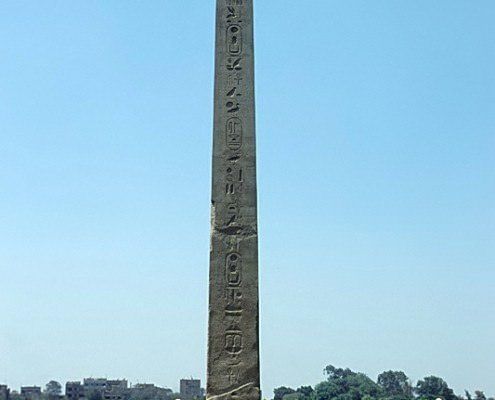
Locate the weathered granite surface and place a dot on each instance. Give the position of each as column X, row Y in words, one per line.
column 233, row 339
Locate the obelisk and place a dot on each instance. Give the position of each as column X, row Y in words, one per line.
column 233, row 339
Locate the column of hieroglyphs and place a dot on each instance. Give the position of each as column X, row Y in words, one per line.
column 233, row 343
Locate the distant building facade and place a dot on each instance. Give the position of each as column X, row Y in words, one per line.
column 74, row 390
column 150, row 391
column 110, row 389
column 116, row 390
column 4, row 392
column 91, row 385
column 31, row 392
column 190, row 389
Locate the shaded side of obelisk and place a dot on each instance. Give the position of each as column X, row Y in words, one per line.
column 233, row 338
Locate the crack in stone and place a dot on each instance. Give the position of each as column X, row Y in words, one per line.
column 230, row 230
column 231, row 392
column 244, row 231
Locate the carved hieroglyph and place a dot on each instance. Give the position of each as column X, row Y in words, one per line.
column 233, row 344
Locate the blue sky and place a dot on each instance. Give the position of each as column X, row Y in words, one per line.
column 376, row 144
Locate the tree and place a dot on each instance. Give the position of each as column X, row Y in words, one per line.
column 306, row 392
column 479, row 395
column 395, row 384
column 293, row 396
column 53, row 389
column 433, row 387
column 329, row 390
column 282, row 391
column 337, row 373
column 344, row 384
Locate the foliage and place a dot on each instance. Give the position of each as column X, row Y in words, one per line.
column 292, row 396
column 282, row 391
column 344, row 384
column 433, row 387
column 53, row 389
column 479, row 395
column 395, row 385
column 305, row 392
column 337, row 373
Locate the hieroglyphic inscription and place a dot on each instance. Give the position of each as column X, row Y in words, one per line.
column 234, row 40
column 233, row 356
column 234, row 270
column 233, row 178
column 234, row 133
column 234, row 2
column 233, row 183
column 233, row 99
column 234, row 375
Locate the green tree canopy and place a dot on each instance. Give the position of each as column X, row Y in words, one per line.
column 395, row 384
column 344, row 384
column 306, row 392
column 337, row 373
column 479, row 395
column 53, row 389
column 282, row 391
column 433, row 387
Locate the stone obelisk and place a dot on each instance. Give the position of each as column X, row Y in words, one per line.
column 233, row 339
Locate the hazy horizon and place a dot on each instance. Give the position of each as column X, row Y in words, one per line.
column 376, row 179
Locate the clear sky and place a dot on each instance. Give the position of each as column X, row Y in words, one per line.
column 376, row 140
